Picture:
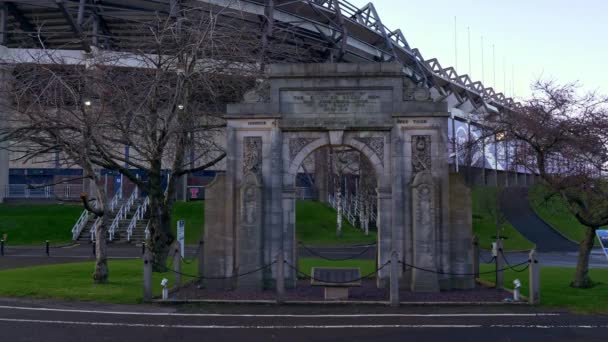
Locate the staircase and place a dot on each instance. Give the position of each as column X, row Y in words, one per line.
column 128, row 221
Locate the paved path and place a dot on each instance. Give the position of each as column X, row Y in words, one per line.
column 64, row 322
column 516, row 208
column 32, row 256
column 557, row 259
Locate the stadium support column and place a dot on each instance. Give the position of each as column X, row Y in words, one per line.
column 4, row 156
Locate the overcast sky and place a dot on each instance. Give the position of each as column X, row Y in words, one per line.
column 561, row 39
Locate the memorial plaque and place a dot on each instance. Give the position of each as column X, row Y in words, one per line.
column 336, row 276
column 334, row 101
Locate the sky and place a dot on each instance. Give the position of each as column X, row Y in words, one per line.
column 562, row 40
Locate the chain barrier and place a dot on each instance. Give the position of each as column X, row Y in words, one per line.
column 313, row 252
column 489, row 262
column 513, row 267
column 463, row 274
column 194, row 258
column 308, row 276
column 168, row 269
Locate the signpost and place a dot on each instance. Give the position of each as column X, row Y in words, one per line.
column 181, row 224
column 602, row 235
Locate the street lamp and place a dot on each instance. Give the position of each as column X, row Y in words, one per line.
column 87, row 103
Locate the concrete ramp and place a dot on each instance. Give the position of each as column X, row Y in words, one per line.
column 516, row 208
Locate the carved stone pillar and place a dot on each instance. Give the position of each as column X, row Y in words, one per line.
column 249, row 233
column 425, row 236
column 424, row 217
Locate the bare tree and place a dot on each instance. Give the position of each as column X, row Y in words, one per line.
column 47, row 115
column 172, row 107
column 565, row 141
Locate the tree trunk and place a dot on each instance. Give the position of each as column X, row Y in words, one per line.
column 581, row 278
column 100, row 275
column 161, row 236
column 339, row 208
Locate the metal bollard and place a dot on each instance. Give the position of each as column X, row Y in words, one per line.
column 177, row 265
column 147, row 277
column 500, row 264
column 201, row 260
column 47, row 248
column 1, row 247
column 534, row 279
column 476, row 260
column 394, row 279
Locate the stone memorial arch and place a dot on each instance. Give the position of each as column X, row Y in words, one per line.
column 423, row 212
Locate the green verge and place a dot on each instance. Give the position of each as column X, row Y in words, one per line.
column 74, row 281
column 32, row 224
column 555, row 212
column 316, row 225
column 484, row 221
column 193, row 213
column 555, row 290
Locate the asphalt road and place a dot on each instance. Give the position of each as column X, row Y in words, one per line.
column 62, row 322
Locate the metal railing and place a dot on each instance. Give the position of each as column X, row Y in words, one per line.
column 351, row 209
column 116, row 200
column 94, row 227
column 138, row 216
column 147, row 231
column 41, row 191
column 122, row 213
column 80, row 224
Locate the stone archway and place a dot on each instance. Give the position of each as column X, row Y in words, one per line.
column 374, row 146
column 367, row 107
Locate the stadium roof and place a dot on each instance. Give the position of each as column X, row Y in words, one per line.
column 335, row 29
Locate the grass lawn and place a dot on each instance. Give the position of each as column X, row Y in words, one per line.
column 316, row 225
column 32, row 224
column 194, row 215
column 555, row 212
column 74, row 282
column 484, row 221
column 556, row 292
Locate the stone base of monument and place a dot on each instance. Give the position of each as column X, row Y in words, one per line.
column 335, row 280
column 336, row 293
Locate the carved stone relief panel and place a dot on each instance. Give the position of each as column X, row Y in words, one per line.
column 421, row 153
column 297, row 144
column 252, row 154
column 376, row 144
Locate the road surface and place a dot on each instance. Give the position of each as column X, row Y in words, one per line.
column 64, row 322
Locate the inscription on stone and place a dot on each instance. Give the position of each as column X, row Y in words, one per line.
column 333, row 101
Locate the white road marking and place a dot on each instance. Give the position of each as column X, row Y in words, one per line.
column 276, row 315
column 92, row 257
column 181, row 326
column 348, row 326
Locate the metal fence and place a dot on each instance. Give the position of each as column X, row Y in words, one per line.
column 41, row 191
